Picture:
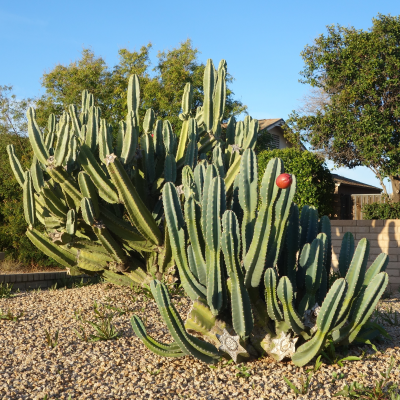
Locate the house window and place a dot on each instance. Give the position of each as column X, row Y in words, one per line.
column 274, row 141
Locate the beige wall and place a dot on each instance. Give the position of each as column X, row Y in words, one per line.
column 383, row 237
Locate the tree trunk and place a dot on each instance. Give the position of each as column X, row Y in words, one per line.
column 396, row 187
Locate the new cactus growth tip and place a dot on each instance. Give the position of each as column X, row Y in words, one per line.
column 100, row 194
column 259, row 279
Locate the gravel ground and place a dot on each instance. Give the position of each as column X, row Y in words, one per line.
column 125, row 369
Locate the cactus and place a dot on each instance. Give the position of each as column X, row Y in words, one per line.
column 82, row 186
column 221, row 267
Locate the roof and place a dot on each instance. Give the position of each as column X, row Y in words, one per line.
column 269, row 123
column 265, row 123
column 341, row 180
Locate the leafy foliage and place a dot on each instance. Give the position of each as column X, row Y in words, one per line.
column 358, row 123
column 315, row 184
column 161, row 86
column 12, row 223
column 390, row 210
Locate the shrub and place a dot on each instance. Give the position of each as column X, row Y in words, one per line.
column 390, row 210
column 12, row 222
column 315, row 184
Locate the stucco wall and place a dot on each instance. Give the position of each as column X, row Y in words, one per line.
column 383, row 237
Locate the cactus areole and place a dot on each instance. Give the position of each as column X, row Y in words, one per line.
column 283, row 181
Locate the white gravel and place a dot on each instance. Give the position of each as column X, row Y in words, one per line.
column 125, row 369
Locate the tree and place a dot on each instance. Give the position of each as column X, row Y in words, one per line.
column 13, row 127
column 354, row 115
column 161, row 87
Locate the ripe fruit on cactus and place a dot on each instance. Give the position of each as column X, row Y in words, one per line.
column 283, row 181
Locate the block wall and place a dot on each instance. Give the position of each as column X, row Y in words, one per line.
column 383, row 236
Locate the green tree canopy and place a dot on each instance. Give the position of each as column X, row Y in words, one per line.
column 355, row 117
column 161, row 86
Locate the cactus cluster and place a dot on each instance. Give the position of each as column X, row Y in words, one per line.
column 258, row 272
column 99, row 195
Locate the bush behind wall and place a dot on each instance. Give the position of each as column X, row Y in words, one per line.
column 315, row 185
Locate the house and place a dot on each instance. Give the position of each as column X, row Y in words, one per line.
column 346, row 203
column 274, row 128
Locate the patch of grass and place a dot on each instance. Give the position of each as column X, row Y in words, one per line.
column 9, row 316
column 387, row 316
column 6, row 290
column 103, row 326
column 333, row 358
column 305, row 379
column 243, row 372
column 52, row 341
column 381, row 390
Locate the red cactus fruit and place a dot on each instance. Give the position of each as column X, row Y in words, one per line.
column 283, row 181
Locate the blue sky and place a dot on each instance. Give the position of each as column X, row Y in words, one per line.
column 261, row 41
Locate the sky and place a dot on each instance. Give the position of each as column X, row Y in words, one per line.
column 260, row 40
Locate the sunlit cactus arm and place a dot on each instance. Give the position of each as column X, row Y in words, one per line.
column 288, row 258
column 15, row 165
column 107, row 190
column 29, row 200
column 355, row 277
column 71, row 222
column 123, row 230
column 176, row 227
column 147, row 146
column 184, row 116
column 105, row 140
column 219, row 97
column 254, row 260
column 53, row 203
column 36, row 138
column 45, row 245
column 323, row 287
column 199, row 177
column 326, row 320
column 63, row 138
column 364, row 306
column 51, row 130
column 134, row 97
column 285, row 295
column 161, row 349
column 92, row 129
column 248, row 196
column 216, row 205
column 250, row 139
column 273, row 307
column 89, row 190
column 170, row 168
column 211, row 173
column 218, row 160
column 189, row 344
column 37, row 175
column 282, row 211
column 191, row 150
column 120, row 138
column 130, row 140
column 208, row 88
column 194, row 230
column 346, row 253
column 139, row 214
column 242, row 316
column 379, row 265
column 66, row 182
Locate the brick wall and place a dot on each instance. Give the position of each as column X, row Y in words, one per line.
column 383, row 237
